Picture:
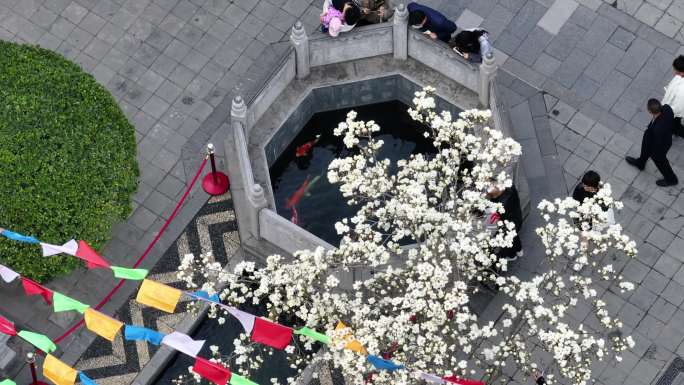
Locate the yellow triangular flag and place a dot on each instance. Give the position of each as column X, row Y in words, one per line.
column 353, row 345
column 158, row 295
column 102, row 324
column 58, row 372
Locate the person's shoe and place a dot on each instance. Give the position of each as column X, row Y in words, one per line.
column 634, row 162
column 664, row 183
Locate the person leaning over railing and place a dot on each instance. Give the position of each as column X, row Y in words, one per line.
column 431, row 22
column 473, row 44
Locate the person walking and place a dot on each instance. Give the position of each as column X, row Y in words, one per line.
column 656, row 142
column 431, row 22
column 674, row 94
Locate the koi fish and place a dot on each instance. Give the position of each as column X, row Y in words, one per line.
column 295, row 216
column 306, row 148
column 311, row 184
column 297, row 196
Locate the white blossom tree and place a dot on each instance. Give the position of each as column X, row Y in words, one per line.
column 415, row 308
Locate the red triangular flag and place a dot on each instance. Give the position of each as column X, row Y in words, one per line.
column 93, row 259
column 34, row 288
column 7, row 327
column 463, row 381
column 271, row 334
column 212, row 371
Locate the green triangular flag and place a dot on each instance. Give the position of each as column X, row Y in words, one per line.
column 38, row 340
column 236, row 379
column 320, row 337
column 61, row 302
column 124, row 273
column 8, row 382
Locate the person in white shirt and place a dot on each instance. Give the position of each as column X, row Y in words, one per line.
column 674, row 94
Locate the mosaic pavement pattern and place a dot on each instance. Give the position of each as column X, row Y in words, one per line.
column 114, row 363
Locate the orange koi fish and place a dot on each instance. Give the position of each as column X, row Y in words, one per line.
column 297, row 196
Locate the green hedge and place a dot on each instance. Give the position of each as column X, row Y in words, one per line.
column 67, row 158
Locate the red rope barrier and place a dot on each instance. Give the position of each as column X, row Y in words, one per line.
column 144, row 255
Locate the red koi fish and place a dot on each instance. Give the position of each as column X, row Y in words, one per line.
column 298, row 195
column 306, row 148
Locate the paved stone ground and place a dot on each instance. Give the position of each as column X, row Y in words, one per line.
column 171, row 63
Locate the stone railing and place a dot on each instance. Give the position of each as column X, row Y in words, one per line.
column 256, row 221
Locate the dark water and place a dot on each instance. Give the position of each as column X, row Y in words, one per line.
column 324, row 205
column 275, row 365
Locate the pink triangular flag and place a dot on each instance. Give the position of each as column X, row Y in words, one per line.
column 432, row 378
column 183, row 343
column 93, row 259
column 68, row 248
column 8, row 275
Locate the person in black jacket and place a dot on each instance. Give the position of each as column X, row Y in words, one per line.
column 656, row 142
column 587, row 187
column 431, row 22
column 510, row 201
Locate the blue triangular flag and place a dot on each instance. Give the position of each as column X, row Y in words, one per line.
column 204, row 295
column 383, row 364
column 85, row 380
column 135, row 333
column 19, row 237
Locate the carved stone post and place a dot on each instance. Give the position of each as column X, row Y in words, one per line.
column 400, row 32
column 487, row 73
column 301, row 44
column 254, row 194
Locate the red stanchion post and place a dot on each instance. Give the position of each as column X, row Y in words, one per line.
column 215, row 183
column 31, row 360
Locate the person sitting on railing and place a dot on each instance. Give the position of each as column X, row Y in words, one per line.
column 472, row 44
column 350, row 11
column 431, row 22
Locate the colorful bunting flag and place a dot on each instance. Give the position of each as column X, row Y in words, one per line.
column 8, row 275
column 383, row 364
column 85, row 380
column 136, row 333
column 93, row 259
column 101, row 324
column 133, row 274
column 34, row 288
column 271, row 334
column 320, row 337
column 61, row 302
column 212, row 371
column 353, row 345
column 158, row 295
column 183, row 343
column 68, row 248
column 432, row 378
column 236, row 379
column 201, row 294
column 18, row 237
column 38, row 340
column 463, row 381
column 7, row 327
column 7, row 382
column 58, row 372
column 246, row 319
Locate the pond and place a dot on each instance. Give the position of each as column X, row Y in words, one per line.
column 299, row 175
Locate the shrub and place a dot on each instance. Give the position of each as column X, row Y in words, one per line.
column 67, row 158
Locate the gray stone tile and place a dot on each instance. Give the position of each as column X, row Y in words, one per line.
column 581, row 124
column 234, row 15
column 143, row 218
column 530, row 49
column 190, row 35
column 585, row 88
column 654, row 37
column 621, row 18
column 184, row 10
column 660, row 238
column 572, row 68
column 182, row 76
column 495, row 23
column 622, row 38
column 74, row 12
column 600, row 31
column 569, row 140
column 155, row 106
column 195, row 61
column 630, row 315
column 557, row 15
column 48, row 41
column 203, row 20
column 604, row 63
column 673, row 291
column 171, row 186
column 609, row 92
column 600, row 134
column 640, row 226
column 675, row 249
column 587, row 150
column 296, row 7
column 44, row 17
column 604, row 164
column 62, row 28
column 526, row 19
column 575, row 166
column 583, row 17
column 172, row 25
column 507, row 42
column 157, row 203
